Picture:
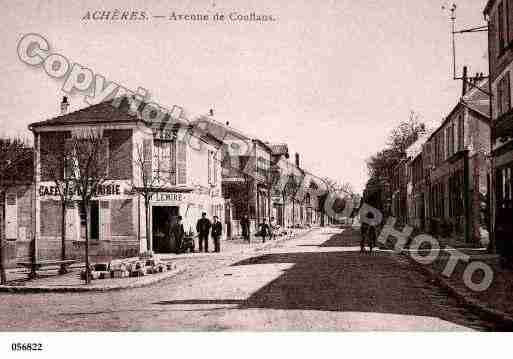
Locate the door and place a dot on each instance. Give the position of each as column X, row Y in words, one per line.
column 163, row 218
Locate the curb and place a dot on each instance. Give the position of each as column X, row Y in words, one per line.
column 82, row 289
column 476, row 306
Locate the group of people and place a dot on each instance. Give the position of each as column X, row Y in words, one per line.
column 204, row 228
column 266, row 230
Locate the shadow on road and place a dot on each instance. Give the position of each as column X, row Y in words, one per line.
column 346, row 281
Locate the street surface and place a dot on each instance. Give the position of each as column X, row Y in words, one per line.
column 317, row 282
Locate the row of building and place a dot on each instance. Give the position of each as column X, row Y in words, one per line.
column 441, row 186
column 456, row 181
column 196, row 166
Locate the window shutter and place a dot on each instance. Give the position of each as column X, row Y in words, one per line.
column 104, row 157
column 147, row 159
column 68, row 158
column 11, row 216
column 71, row 221
column 214, row 167
column 181, row 159
column 105, row 220
column 506, row 93
column 172, row 168
column 210, row 181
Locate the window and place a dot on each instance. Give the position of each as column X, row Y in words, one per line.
column 501, row 28
column 503, row 95
column 164, row 168
column 460, row 133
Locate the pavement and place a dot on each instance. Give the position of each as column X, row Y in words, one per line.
column 50, row 281
column 319, row 281
column 494, row 303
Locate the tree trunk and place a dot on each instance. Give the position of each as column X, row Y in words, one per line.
column 148, row 226
column 3, row 276
column 63, row 270
column 88, row 269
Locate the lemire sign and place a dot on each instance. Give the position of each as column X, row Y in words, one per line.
column 102, row 190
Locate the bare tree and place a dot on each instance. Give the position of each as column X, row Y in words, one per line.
column 150, row 182
column 87, row 162
column 57, row 167
column 15, row 165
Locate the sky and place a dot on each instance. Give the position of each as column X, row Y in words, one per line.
column 329, row 78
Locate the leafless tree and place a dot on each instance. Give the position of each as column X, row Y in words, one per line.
column 150, row 181
column 87, row 163
column 56, row 166
column 15, row 165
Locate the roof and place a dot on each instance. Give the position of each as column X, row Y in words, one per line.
column 476, row 100
column 220, row 130
column 104, row 112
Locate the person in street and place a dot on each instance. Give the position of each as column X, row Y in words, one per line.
column 274, row 228
column 217, row 230
column 203, row 229
column 363, row 235
column 372, row 238
column 264, row 229
column 178, row 233
column 244, row 222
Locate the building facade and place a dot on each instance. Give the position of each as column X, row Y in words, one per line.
column 499, row 14
column 185, row 180
column 456, row 169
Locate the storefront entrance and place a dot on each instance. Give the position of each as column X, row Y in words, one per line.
column 163, row 218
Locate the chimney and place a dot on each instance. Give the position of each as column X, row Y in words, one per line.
column 297, row 160
column 211, row 112
column 464, row 89
column 64, row 105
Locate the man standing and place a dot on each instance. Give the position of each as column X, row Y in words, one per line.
column 217, row 230
column 203, row 228
column 244, row 222
column 264, row 229
column 178, row 232
column 274, row 228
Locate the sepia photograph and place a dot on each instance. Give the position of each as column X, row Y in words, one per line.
column 192, row 171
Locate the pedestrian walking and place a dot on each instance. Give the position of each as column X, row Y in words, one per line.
column 372, row 238
column 363, row 229
column 245, row 224
column 217, row 230
column 203, row 229
column 274, row 228
column 264, row 229
column 178, row 233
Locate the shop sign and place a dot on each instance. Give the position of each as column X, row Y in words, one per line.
column 103, row 190
column 169, row 197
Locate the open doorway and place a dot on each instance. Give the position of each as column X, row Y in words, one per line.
column 163, row 218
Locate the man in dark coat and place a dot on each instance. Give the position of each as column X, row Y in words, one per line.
column 203, row 229
column 264, row 229
column 178, row 233
column 217, row 230
column 244, row 222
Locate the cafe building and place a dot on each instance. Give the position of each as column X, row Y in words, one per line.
column 177, row 164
